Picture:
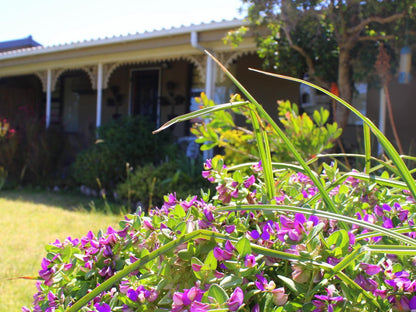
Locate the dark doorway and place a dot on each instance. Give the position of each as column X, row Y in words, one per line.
column 145, row 93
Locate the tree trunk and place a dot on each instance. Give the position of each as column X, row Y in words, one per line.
column 344, row 86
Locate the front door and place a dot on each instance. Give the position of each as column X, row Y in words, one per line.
column 145, row 93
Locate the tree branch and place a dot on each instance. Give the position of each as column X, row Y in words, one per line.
column 376, row 38
column 374, row 19
column 300, row 50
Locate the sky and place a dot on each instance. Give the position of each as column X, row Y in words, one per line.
column 54, row 22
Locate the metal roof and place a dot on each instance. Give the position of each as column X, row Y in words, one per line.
column 18, row 44
column 37, row 50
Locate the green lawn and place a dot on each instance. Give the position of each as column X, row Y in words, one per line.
column 28, row 221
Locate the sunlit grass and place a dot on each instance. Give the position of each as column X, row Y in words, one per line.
column 28, row 221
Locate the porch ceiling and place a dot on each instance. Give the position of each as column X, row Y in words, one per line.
column 154, row 46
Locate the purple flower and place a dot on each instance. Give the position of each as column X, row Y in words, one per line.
column 387, row 223
column 132, row 294
column 255, row 234
column 329, row 299
column 250, row 261
column 351, row 238
column 102, row 307
column 412, row 303
column 208, row 164
column 370, row 269
column 147, row 224
column 229, row 246
column 378, row 211
column 221, row 254
column 386, row 207
column 229, row 228
column 257, row 167
column 188, row 204
column 263, row 285
column 366, row 283
column 190, row 297
column 249, row 182
column 234, row 193
column 208, row 214
column 236, row 300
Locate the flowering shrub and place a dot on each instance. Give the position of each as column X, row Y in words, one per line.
column 226, row 252
column 280, row 238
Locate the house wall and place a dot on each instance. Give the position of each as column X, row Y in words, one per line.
column 175, row 81
column 20, row 95
column 266, row 90
column 403, row 101
column 120, row 79
column 175, row 89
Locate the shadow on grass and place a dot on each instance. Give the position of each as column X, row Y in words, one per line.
column 68, row 200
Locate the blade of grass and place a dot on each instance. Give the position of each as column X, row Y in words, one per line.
column 362, row 177
column 264, row 152
column 389, row 249
column 367, row 147
column 402, row 230
column 380, row 161
column 199, row 113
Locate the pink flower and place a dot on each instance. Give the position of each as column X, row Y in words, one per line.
column 249, row 182
column 236, row 300
column 279, row 296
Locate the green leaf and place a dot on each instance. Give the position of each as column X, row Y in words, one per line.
column 339, row 239
column 325, row 115
column 196, row 261
column 243, row 246
column 208, row 146
column 317, row 117
column 184, row 254
column 238, row 177
column 292, row 285
column 231, row 281
column 179, row 212
column 218, row 293
column 210, row 262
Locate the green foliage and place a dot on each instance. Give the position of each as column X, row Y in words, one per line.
column 147, row 184
column 331, row 41
column 128, row 140
column 310, row 136
column 299, row 32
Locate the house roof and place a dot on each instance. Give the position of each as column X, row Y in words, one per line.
column 158, row 45
column 18, row 44
column 22, row 50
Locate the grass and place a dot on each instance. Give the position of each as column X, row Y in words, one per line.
column 30, row 220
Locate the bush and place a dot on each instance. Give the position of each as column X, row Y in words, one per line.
column 281, row 238
column 31, row 154
column 125, row 140
column 147, row 184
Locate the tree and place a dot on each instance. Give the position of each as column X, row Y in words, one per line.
column 331, row 40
